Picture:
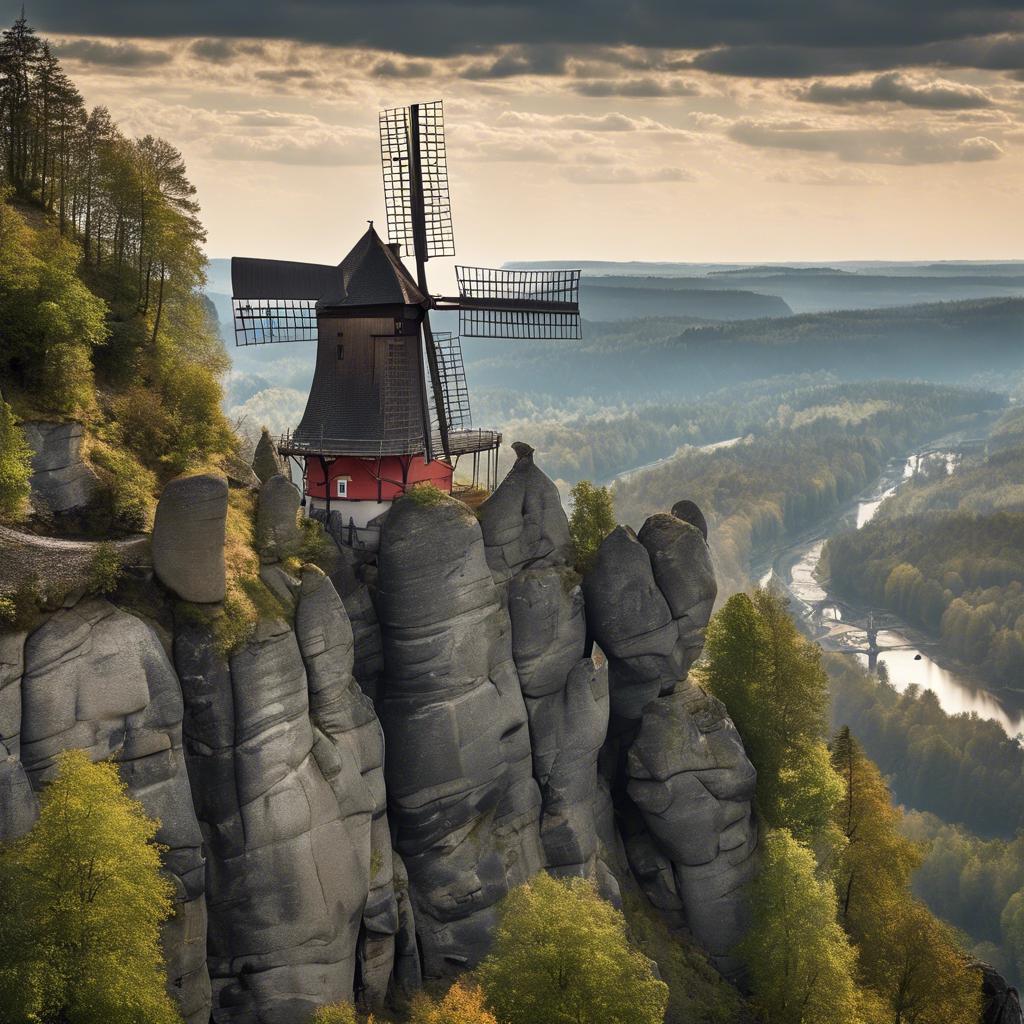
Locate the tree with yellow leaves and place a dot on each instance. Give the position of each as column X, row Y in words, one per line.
column 462, row 1004
column 81, row 904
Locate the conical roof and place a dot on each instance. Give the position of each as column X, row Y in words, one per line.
column 372, row 275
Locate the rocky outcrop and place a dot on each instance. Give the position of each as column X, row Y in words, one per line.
column 1001, row 1002
column 693, row 783
column 188, row 537
column 463, row 802
column 523, row 523
column 265, row 460
column 526, row 534
column 61, row 480
column 277, row 524
column 286, row 818
column 689, row 834
column 466, row 649
column 97, row 678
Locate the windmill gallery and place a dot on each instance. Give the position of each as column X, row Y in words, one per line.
column 372, row 426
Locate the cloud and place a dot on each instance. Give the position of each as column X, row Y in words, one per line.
column 647, row 86
column 867, row 145
column 391, row 68
column 125, row 56
column 621, row 174
column 218, row 51
column 613, row 122
column 798, row 38
column 827, row 176
column 894, row 87
column 521, row 60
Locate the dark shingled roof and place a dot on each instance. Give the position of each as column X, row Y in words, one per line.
column 370, row 275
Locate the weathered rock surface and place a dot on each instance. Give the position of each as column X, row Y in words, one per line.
column 463, row 802
column 277, row 525
column 286, row 817
column 266, row 462
column 188, row 537
column 523, row 523
column 693, row 783
column 61, row 481
column 98, row 679
column 690, row 836
column 1001, row 1001
column 333, row 872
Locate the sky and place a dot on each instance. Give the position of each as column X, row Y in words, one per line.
column 608, row 129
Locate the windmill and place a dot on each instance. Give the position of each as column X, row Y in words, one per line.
column 388, row 406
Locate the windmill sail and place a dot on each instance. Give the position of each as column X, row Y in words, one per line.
column 518, row 304
column 415, row 163
column 275, row 300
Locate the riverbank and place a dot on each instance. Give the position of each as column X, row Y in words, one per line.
column 910, row 656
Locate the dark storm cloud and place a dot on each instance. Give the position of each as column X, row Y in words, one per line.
column 114, row 55
column 893, row 87
column 801, row 37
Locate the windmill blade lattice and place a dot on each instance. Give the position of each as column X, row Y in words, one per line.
column 400, row 161
column 519, row 304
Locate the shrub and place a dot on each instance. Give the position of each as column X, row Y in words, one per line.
column 427, row 494
column 15, row 467
column 129, row 485
column 335, row 1013
column 461, row 1004
column 105, row 569
column 592, row 518
column 561, row 956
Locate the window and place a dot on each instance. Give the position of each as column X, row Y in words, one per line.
column 341, row 351
column 342, row 483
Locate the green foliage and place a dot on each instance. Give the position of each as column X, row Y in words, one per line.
column 81, row 904
column 105, row 569
column 961, row 767
column 947, row 554
column 800, row 962
column 129, row 486
column 818, row 448
column 697, row 993
column 15, row 467
column 974, row 884
column 561, row 956
column 908, row 957
column 771, row 681
column 427, row 494
column 591, row 519
column 315, row 546
column 109, row 288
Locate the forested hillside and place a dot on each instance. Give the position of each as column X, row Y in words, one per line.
column 808, row 459
column 964, row 778
column 947, row 554
column 101, row 265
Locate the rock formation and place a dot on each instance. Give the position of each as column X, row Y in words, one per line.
column 690, row 836
column 61, row 481
column 188, row 537
column 309, row 866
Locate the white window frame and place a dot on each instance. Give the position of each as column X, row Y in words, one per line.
column 341, row 486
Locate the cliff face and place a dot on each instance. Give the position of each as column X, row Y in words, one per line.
column 348, row 796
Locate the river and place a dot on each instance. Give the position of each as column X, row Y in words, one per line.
column 903, row 652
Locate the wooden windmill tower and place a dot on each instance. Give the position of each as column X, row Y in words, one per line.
column 389, row 406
